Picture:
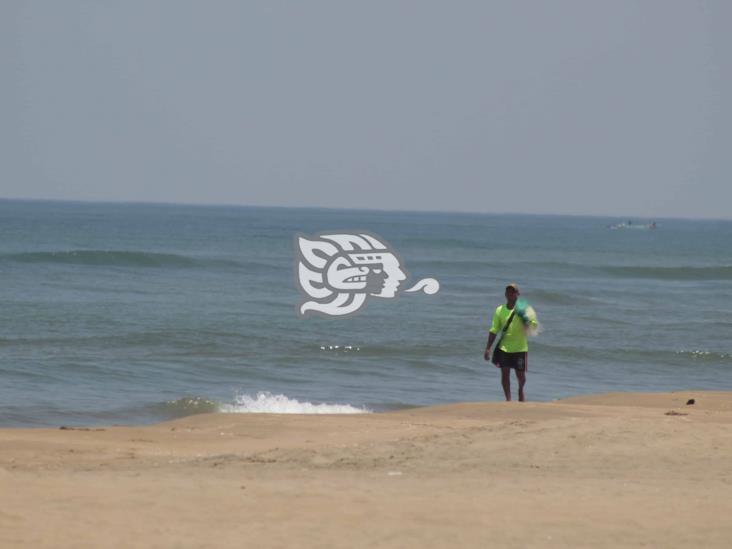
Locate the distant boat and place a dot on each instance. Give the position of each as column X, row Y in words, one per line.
column 631, row 225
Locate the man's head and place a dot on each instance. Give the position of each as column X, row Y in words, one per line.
column 512, row 293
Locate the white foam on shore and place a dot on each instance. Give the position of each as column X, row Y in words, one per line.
column 267, row 403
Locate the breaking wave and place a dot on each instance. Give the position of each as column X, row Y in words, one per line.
column 267, row 403
column 187, row 406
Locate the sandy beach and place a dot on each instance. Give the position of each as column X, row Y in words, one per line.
column 615, row 470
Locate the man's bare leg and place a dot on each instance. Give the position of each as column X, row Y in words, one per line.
column 521, row 377
column 506, row 383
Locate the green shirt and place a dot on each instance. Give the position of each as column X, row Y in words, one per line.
column 514, row 340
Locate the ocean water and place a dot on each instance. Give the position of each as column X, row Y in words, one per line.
column 137, row 313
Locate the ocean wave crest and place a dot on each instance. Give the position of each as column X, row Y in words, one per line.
column 114, row 258
column 188, row 406
column 705, row 356
column 267, row 403
column 672, row 273
column 632, row 356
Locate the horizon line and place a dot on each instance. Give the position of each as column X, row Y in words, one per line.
column 343, row 208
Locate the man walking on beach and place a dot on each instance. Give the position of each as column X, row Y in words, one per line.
column 512, row 349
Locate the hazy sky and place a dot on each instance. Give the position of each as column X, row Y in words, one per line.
column 592, row 107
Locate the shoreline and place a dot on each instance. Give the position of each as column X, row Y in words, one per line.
column 601, row 470
column 615, row 398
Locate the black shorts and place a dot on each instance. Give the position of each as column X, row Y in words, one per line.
column 517, row 361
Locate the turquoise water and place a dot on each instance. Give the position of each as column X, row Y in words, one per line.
column 135, row 313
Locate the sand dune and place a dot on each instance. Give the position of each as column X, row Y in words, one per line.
column 616, row 470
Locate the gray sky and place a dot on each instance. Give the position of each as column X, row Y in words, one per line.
column 587, row 107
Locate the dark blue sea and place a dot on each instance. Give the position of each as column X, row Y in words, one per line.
column 137, row 313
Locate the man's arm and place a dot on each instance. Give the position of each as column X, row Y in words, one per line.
column 491, row 339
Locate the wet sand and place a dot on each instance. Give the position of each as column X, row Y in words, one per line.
column 616, row 470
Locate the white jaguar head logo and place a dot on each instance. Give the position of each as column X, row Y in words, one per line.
column 339, row 271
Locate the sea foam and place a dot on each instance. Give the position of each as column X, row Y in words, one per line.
column 267, row 403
